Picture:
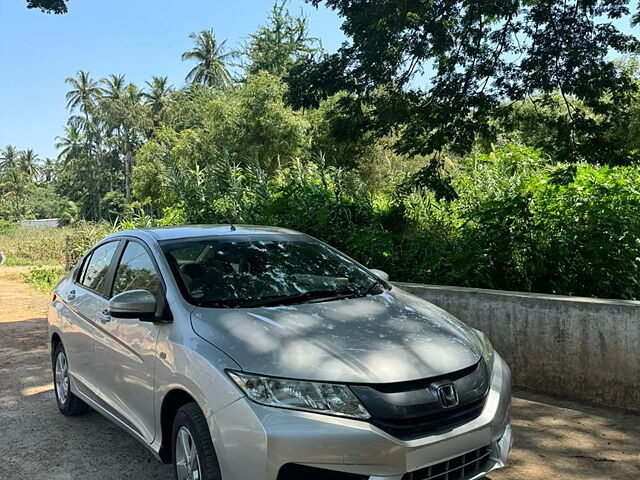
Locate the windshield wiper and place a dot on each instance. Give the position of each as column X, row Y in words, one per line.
column 305, row 297
column 376, row 283
column 232, row 303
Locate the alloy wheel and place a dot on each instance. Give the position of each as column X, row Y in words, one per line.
column 62, row 378
column 187, row 462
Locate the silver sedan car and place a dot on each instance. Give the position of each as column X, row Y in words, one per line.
column 258, row 353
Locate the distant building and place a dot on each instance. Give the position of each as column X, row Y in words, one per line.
column 44, row 223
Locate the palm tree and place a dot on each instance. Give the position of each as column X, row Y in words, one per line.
column 83, row 94
column 114, row 86
column 9, row 158
column 48, row 170
column 71, row 144
column 156, row 97
column 14, row 179
column 212, row 57
column 133, row 95
column 28, row 164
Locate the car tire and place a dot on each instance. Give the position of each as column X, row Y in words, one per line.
column 68, row 404
column 191, row 435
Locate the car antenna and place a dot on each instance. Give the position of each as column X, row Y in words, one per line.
column 233, row 229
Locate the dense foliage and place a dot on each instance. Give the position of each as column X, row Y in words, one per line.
column 442, row 70
column 484, row 171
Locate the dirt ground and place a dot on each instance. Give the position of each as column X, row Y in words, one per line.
column 555, row 440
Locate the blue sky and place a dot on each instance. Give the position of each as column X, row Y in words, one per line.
column 139, row 38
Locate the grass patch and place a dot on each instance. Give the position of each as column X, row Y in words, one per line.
column 45, row 279
column 27, row 246
column 27, row 262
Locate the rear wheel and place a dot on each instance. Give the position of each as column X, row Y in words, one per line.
column 194, row 457
column 68, row 403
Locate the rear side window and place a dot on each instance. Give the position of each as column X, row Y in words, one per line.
column 136, row 271
column 96, row 267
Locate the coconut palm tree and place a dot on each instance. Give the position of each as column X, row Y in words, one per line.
column 71, row 145
column 114, row 86
column 156, row 96
column 83, row 94
column 48, row 170
column 9, row 158
column 133, row 95
column 14, row 179
column 211, row 57
column 28, row 164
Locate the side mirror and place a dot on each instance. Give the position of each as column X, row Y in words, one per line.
column 380, row 274
column 133, row 304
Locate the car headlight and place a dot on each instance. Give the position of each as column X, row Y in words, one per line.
column 300, row 395
column 487, row 349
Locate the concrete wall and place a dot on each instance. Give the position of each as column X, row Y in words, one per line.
column 43, row 223
column 580, row 348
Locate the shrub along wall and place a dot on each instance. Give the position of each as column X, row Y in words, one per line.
column 515, row 221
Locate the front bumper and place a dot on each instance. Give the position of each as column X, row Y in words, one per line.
column 254, row 441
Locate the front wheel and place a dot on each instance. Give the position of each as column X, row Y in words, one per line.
column 68, row 403
column 194, row 457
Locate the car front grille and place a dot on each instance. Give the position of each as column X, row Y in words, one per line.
column 410, row 410
column 412, row 428
column 459, row 468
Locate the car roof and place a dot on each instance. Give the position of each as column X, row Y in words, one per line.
column 161, row 234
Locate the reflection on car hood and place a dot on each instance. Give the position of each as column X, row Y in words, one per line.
column 391, row 337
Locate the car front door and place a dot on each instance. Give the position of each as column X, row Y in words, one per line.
column 85, row 299
column 126, row 347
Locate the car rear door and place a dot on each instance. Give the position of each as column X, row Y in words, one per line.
column 126, row 347
column 86, row 298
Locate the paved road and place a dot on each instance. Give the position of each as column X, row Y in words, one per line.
column 555, row 440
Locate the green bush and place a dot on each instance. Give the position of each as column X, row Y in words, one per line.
column 45, row 278
column 517, row 221
column 6, row 226
column 587, row 231
column 566, row 229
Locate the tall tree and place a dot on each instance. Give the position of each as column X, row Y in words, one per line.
column 28, row 164
column 125, row 118
column 156, row 96
column 83, row 94
column 9, row 158
column 14, row 181
column 48, row 171
column 212, row 59
column 442, row 70
column 71, row 144
column 114, row 86
column 280, row 43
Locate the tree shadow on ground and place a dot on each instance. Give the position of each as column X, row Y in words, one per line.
column 37, row 441
column 561, row 439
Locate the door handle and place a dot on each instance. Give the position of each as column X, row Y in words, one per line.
column 71, row 295
column 104, row 317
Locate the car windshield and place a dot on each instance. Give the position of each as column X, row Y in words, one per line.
column 265, row 270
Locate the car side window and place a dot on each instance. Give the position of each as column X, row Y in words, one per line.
column 83, row 268
column 136, row 271
column 97, row 267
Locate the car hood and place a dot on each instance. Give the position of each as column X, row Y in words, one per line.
column 391, row 337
